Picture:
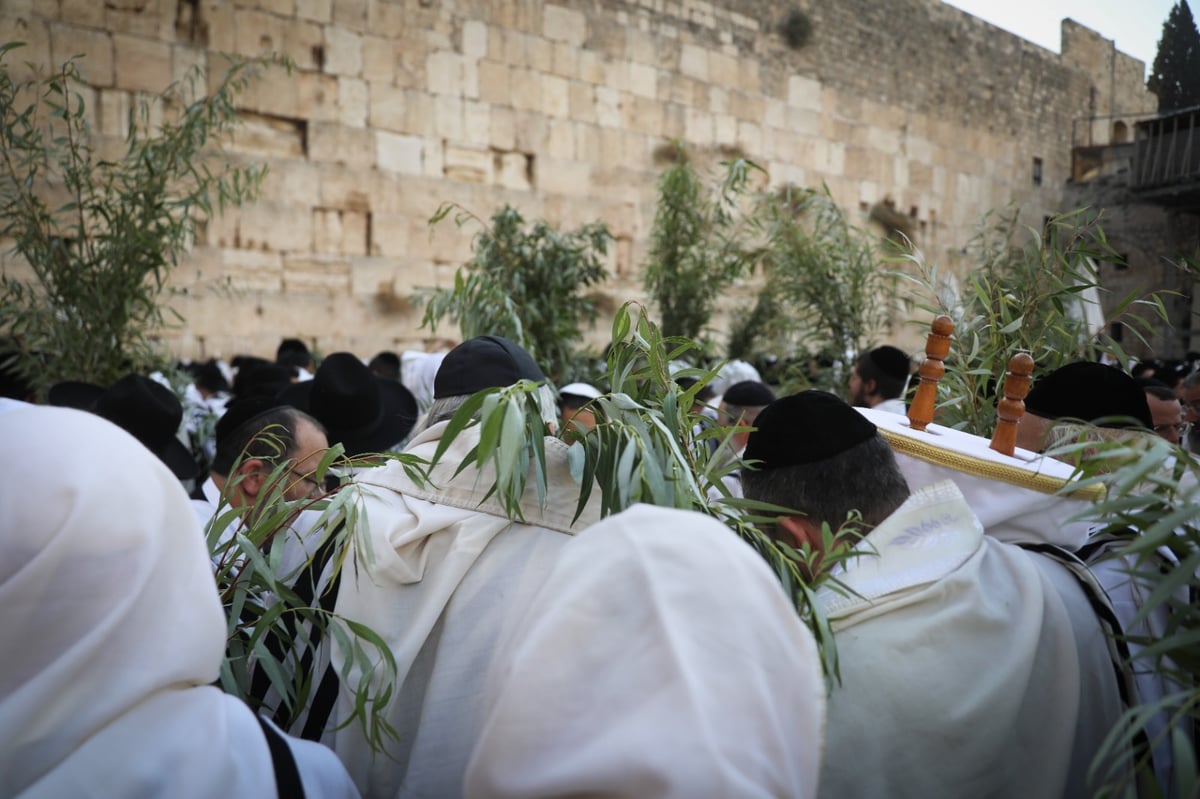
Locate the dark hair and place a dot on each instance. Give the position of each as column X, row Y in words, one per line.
column 270, row 436
column 293, row 352
column 864, row 477
column 1160, row 391
column 887, row 385
column 572, row 401
column 386, row 365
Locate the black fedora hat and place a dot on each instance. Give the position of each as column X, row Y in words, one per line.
column 151, row 413
column 359, row 410
column 73, row 394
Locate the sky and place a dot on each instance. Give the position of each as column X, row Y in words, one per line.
column 1135, row 25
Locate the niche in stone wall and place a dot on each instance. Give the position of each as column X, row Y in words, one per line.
column 265, row 134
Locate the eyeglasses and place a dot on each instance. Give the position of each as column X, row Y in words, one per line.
column 1193, row 406
column 1181, row 429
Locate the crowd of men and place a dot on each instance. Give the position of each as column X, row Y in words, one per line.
column 981, row 623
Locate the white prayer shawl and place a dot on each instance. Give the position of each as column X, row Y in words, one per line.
column 660, row 659
column 958, row 663
column 113, row 629
column 1029, row 513
column 445, row 575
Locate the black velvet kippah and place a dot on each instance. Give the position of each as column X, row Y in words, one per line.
column 484, row 362
column 891, row 361
column 1091, row 392
column 803, row 428
column 749, row 394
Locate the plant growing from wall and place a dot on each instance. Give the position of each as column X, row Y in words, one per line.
column 100, row 234
column 1040, row 296
column 796, row 28
column 529, row 285
column 695, row 245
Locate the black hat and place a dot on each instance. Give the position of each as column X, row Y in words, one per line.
column 1091, row 392
column 748, row 394
column 73, row 394
column 807, row 427
column 891, row 361
column 262, row 378
column 242, row 410
column 209, row 377
column 359, row 410
column 13, row 384
column 484, row 362
column 151, row 413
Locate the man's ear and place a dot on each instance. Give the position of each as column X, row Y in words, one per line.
column 801, row 529
column 252, row 475
column 870, row 387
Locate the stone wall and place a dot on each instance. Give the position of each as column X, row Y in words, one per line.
column 396, row 106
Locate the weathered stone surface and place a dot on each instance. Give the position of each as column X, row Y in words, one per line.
column 141, row 64
column 558, row 107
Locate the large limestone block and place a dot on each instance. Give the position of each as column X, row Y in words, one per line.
column 467, row 164
column 387, row 108
column 141, row 64
column 564, row 61
column 343, row 51
column 257, row 32
column 495, row 82
column 555, row 96
column 304, row 42
column 95, row 47
column 114, row 112
column 564, row 25
column 582, row 102
column 315, row 10
column 329, row 141
column 353, row 102
column 86, row 13
column 275, row 227
column 526, row 90
column 448, row 117
column 693, row 61
column 477, row 123
column 643, row 81
column 571, row 178
column 608, row 107
column 395, row 153
column 341, row 187
column 474, row 38
column 379, row 59
column 252, row 270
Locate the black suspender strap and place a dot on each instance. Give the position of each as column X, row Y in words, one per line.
column 287, row 776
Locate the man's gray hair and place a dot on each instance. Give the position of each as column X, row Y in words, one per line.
column 863, row 478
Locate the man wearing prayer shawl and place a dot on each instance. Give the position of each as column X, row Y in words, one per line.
column 445, row 575
column 113, row 632
column 660, row 659
column 959, row 667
